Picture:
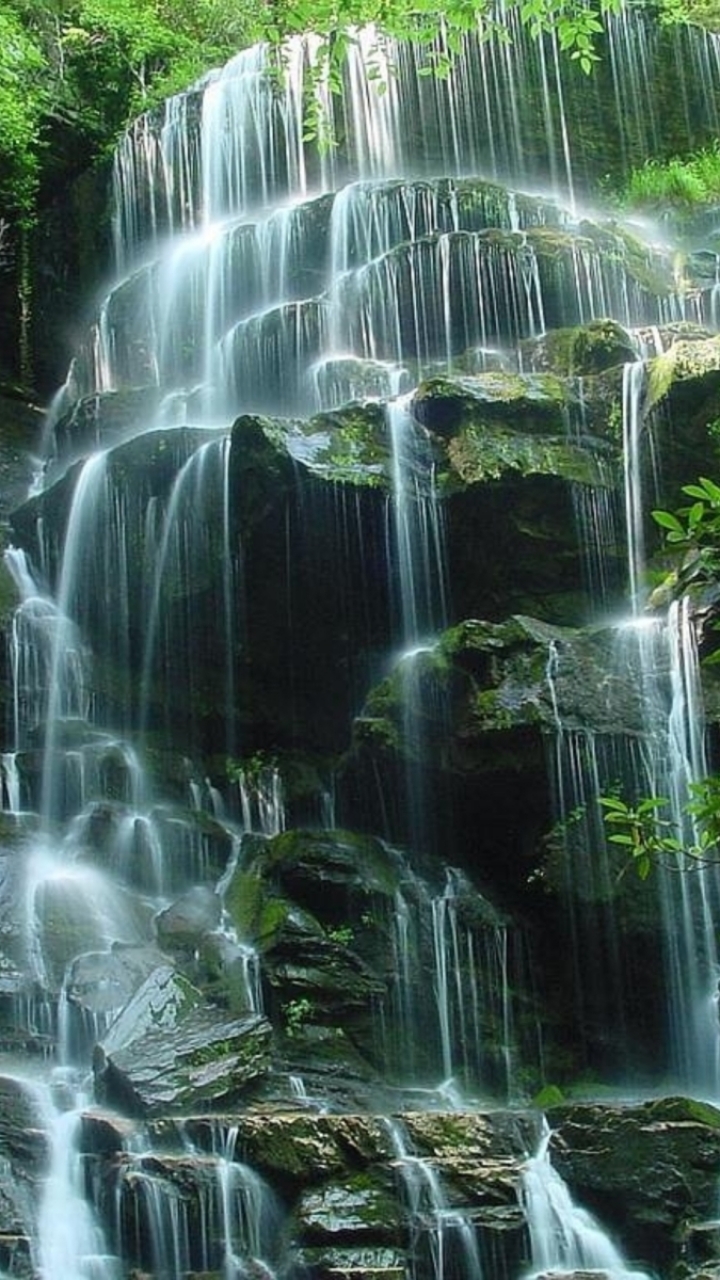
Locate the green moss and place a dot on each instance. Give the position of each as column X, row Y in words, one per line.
column 483, row 453
column 689, row 1109
column 483, row 636
column 660, row 376
column 9, row 599
column 685, row 361
column 345, row 853
column 257, row 914
column 549, row 1096
column 488, row 711
column 348, row 446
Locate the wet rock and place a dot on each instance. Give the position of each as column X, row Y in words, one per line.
column 452, row 702
column 311, row 902
column 16, row 1253
column 103, row 982
column 169, row 1051
column 363, row 1207
column 582, row 351
column 105, row 1133
column 293, row 1149
column 23, row 1137
column 13, row 932
column 181, row 925
column 73, row 914
column 104, row 420
column 21, row 423
column 689, row 371
column 355, row 1263
column 646, row 1170
column 350, row 445
column 526, row 404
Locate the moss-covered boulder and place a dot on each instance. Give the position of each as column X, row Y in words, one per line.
column 682, row 405
column 685, row 373
column 350, row 445
column 582, row 351
column 452, row 704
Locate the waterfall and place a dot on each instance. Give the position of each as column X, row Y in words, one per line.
column 633, row 382
column 564, row 1237
column 663, row 756
column 458, row 1032
column 235, row 584
column 70, row 1239
column 443, row 1241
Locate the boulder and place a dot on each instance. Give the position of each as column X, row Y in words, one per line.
column 168, row 1051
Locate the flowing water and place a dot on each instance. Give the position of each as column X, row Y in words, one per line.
column 564, row 1237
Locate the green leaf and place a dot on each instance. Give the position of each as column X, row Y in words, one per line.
column 667, row 520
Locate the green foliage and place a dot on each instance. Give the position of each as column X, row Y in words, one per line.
column 23, row 100
column 685, row 182
column 647, row 832
column 251, row 769
column 551, row 1095
column 296, row 1014
column 342, row 934
column 73, row 73
column 694, row 530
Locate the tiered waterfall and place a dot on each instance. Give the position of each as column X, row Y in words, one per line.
column 315, row 674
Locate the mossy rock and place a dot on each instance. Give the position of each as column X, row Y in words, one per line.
column 480, row 454
column 349, row 445
column 294, row 1149
column 527, row 404
column 169, row 1051
column 647, row 1169
column 689, row 369
column 483, row 677
column 582, row 351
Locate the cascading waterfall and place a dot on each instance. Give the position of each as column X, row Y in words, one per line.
column 664, row 759
column 443, row 1241
column 256, row 277
column 564, row 1238
column 673, row 758
column 71, row 1241
column 459, row 1032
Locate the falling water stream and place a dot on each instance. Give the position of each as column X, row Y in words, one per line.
column 564, row 1238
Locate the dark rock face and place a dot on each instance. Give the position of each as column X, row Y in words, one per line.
column 651, row 1169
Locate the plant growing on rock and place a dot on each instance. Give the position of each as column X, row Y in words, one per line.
column 297, row 1013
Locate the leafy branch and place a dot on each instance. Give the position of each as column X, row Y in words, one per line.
column 694, row 529
column 647, row 832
